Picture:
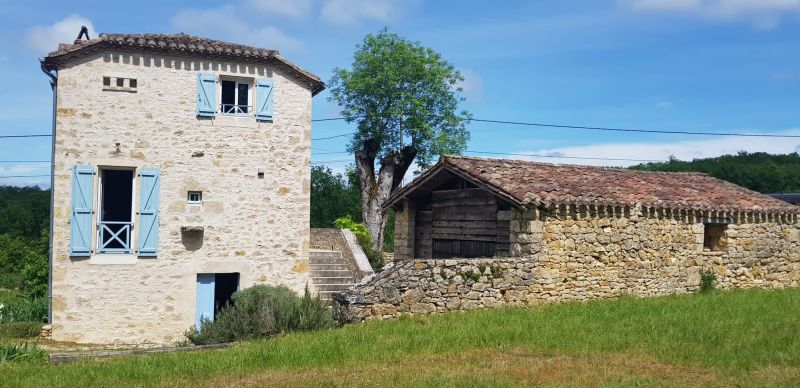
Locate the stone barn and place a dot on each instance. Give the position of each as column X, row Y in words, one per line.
column 181, row 174
column 475, row 232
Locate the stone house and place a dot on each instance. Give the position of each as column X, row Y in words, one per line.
column 181, row 174
column 474, row 232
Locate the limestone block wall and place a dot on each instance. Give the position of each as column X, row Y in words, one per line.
column 258, row 227
column 572, row 257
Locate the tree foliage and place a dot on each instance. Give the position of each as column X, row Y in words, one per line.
column 333, row 196
column 759, row 171
column 401, row 94
column 405, row 99
column 24, row 211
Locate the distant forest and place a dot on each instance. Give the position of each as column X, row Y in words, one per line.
column 759, row 171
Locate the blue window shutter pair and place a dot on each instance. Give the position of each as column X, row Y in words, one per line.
column 265, row 91
column 149, row 184
column 80, row 225
column 206, row 94
column 80, row 241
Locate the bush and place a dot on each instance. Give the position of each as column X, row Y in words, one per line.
column 364, row 239
column 20, row 329
column 22, row 353
column 708, row 280
column 263, row 311
column 24, row 310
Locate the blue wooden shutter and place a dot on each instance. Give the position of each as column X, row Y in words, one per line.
column 80, row 225
column 265, row 91
column 204, row 308
column 149, row 183
column 206, row 94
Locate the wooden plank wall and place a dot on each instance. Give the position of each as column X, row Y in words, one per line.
column 461, row 215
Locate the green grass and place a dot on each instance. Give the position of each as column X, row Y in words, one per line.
column 742, row 337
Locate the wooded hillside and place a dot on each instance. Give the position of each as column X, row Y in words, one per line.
column 759, row 171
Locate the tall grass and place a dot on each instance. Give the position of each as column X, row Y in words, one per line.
column 30, row 353
column 730, row 332
column 24, row 310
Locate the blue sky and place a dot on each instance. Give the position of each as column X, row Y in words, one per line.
column 692, row 65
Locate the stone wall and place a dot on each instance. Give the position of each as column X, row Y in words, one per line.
column 567, row 256
column 258, row 227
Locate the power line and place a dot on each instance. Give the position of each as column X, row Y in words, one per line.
column 607, row 129
column 24, row 161
column 333, row 137
column 22, row 176
column 562, row 157
column 635, row 130
column 17, row 136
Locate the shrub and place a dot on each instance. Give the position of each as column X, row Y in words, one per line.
column 708, row 280
column 22, row 353
column 24, row 310
column 364, row 239
column 20, row 329
column 263, row 311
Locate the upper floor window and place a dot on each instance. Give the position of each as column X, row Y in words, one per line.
column 235, row 97
column 116, row 211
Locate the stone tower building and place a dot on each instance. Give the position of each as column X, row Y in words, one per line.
column 181, row 174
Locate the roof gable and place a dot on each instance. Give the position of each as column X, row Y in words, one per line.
column 179, row 45
column 531, row 183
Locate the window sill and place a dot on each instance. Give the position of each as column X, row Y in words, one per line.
column 714, row 253
column 119, row 89
column 113, row 259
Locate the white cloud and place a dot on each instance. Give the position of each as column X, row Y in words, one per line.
column 25, row 169
column 45, row 39
column 227, row 22
column 295, row 9
column 472, row 86
column 683, row 150
column 762, row 14
column 353, row 12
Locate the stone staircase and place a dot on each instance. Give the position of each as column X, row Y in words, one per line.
column 329, row 272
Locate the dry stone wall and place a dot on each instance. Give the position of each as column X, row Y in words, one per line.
column 257, row 227
column 560, row 258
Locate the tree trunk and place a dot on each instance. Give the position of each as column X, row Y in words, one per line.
column 376, row 189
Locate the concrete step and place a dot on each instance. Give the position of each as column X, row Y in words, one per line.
column 332, row 287
column 330, row 272
column 340, row 261
column 333, row 280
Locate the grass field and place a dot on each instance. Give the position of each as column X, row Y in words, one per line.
column 743, row 337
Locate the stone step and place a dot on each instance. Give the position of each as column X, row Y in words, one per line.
column 330, row 272
column 339, row 260
column 333, row 280
column 322, row 254
column 332, row 287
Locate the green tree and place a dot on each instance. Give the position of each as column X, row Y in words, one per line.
column 404, row 98
column 758, row 171
column 333, row 196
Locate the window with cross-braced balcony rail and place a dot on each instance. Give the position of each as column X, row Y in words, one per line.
column 115, row 219
column 235, row 97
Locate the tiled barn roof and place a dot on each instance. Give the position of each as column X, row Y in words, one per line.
column 531, row 183
column 179, row 45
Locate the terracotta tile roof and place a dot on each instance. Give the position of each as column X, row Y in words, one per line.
column 532, row 183
column 179, row 45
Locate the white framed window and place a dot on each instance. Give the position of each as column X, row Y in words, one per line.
column 115, row 218
column 236, row 97
column 195, row 198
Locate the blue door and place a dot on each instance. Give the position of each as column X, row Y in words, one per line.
column 205, row 298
